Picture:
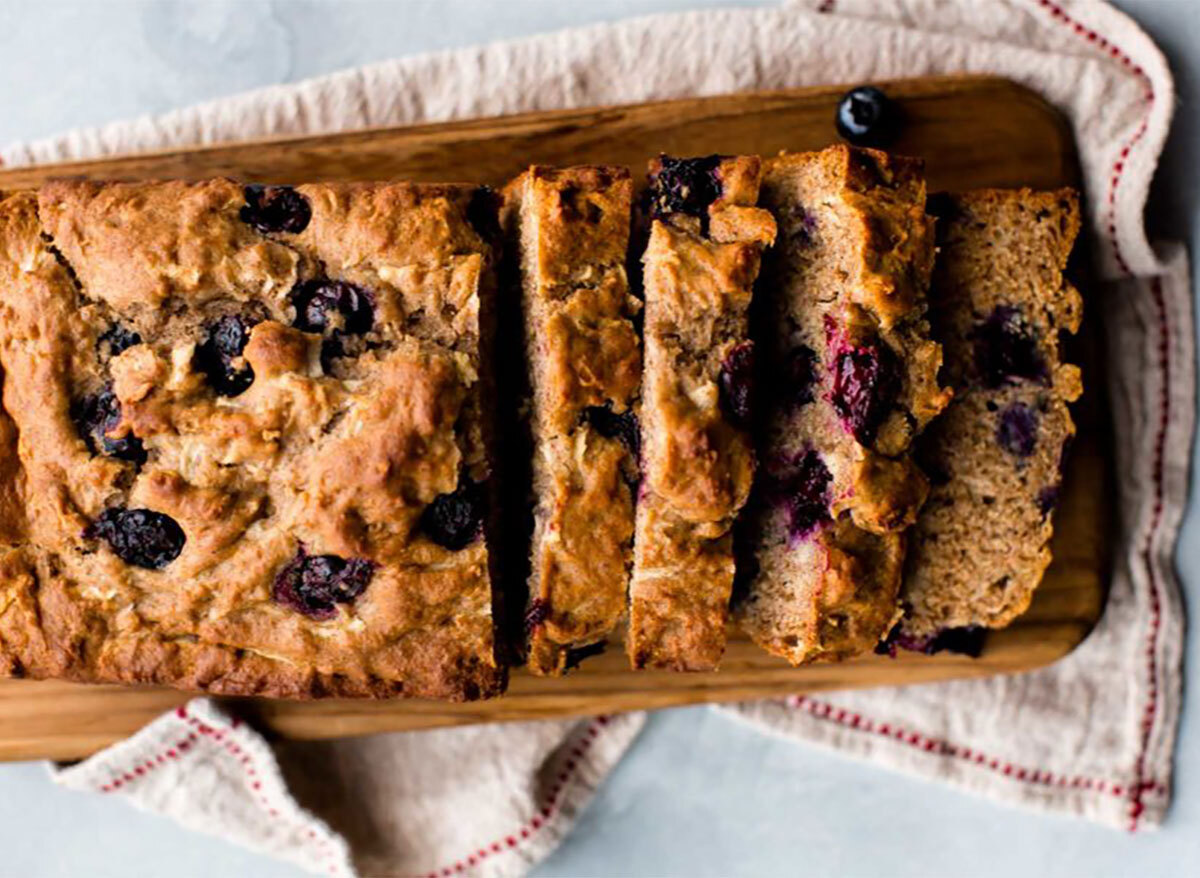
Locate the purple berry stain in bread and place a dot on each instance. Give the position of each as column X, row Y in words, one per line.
column 801, row 486
column 315, row 584
column 226, row 340
column 454, row 521
column 611, row 425
column 685, row 186
column 1016, row 430
column 1006, row 349
column 1047, row 499
column 116, row 340
column 736, row 382
column 967, row 641
column 140, row 537
column 537, row 613
column 864, row 384
column 275, row 209
column 96, row 416
column 333, row 305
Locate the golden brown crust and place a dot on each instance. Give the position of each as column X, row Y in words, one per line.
column 857, row 379
column 697, row 462
column 995, row 458
column 571, row 227
column 337, row 447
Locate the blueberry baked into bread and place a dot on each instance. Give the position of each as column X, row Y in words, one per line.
column 995, row 457
column 705, row 244
column 570, row 229
column 246, row 434
column 853, row 379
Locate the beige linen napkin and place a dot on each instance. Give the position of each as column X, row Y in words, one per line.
column 1092, row 735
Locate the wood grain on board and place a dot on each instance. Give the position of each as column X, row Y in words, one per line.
column 971, row 131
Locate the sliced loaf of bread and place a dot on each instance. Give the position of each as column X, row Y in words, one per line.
column 705, row 243
column 995, row 458
column 852, row 378
column 570, row 228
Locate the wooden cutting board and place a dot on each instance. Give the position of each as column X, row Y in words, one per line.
column 972, row 132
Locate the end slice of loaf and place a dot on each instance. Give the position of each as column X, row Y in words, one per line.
column 703, row 255
column 995, row 458
column 852, row 379
column 571, row 228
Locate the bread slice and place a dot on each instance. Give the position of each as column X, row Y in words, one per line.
column 853, row 379
column 995, row 458
column 706, row 239
column 571, row 228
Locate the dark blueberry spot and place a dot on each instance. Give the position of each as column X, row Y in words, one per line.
column 214, row 357
column 801, row 486
column 140, row 537
column 802, row 226
column 610, row 425
column 802, row 375
column 867, row 117
column 1006, row 349
column 319, row 302
column 736, row 382
column 117, row 339
column 483, row 213
column 453, row 520
column 576, row 656
column 1047, row 499
column 684, row 186
column 1017, row 429
column 275, row 209
column 965, row 641
column 865, row 385
column 538, row 612
column 98, row 415
column 315, row 584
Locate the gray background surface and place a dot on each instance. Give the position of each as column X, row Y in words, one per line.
column 698, row 794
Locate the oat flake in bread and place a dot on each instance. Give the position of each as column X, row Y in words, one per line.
column 568, row 229
column 245, row 434
column 705, row 244
column 995, row 458
column 851, row 379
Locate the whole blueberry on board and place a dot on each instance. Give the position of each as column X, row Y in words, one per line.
column 867, row 117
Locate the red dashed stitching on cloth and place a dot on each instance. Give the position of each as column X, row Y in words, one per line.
column 181, row 748
column 325, row 849
column 850, row 719
column 1136, row 806
column 550, row 805
column 1096, row 39
column 187, row 745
